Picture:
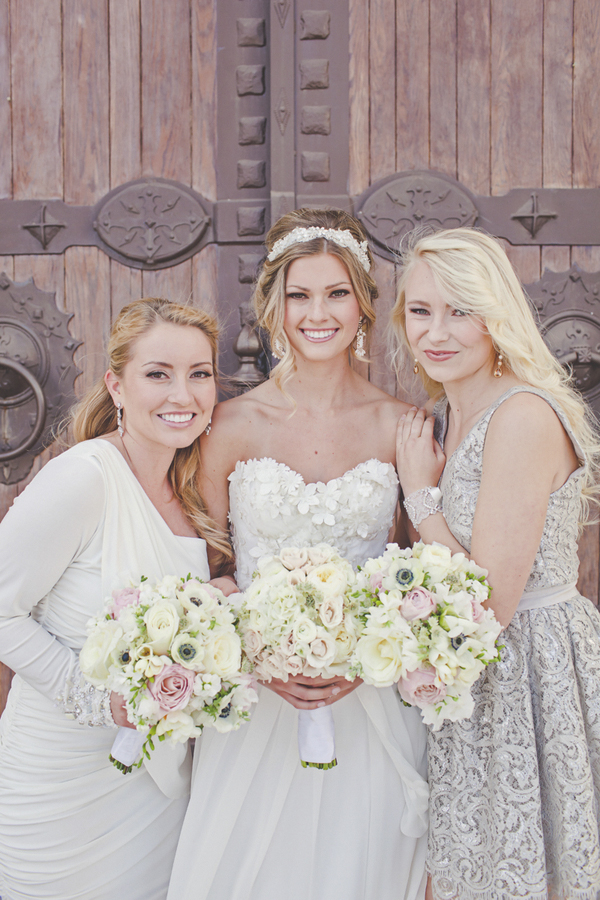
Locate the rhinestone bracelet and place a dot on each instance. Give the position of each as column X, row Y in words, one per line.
column 422, row 503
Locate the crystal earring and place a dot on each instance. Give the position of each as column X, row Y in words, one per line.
column 208, row 427
column 278, row 349
column 360, row 338
column 120, row 428
column 498, row 369
column 416, row 367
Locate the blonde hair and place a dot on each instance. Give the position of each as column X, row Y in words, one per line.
column 269, row 292
column 474, row 273
column 96, row 415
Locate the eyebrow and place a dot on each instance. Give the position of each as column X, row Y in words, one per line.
column 166, row 365
column 328, row 287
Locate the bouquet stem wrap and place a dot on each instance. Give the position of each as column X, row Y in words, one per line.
column 316, row 738
column 127, row 748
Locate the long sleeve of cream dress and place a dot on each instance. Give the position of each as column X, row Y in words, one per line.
column 71, row 825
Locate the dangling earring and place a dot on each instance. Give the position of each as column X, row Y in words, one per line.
column 498, row 369
column 416, row 367
column 208, row 427
column 120, row 428
column 278, row 349
column 360, row 338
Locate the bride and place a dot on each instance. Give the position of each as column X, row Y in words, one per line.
column 308, row 457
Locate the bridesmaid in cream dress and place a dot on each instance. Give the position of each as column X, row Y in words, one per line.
column 121, row 503
column 308, row 457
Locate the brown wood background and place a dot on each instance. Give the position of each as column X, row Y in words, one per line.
column 94, row 93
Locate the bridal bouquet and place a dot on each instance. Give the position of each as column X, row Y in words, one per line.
column 171, row 649
column 425, row 627
column 300, row 617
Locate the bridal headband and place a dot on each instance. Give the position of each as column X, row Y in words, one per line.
column 343, row 238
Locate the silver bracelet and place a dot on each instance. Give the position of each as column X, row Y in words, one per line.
column 82, row 701
column 422, row 503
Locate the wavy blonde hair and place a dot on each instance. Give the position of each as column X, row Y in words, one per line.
column 96, row 415
column 269, row 293
column 474, row 273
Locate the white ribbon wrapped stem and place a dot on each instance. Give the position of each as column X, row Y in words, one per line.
column 316, row 738
column 127, row 747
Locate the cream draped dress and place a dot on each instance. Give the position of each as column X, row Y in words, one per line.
column 71, row 825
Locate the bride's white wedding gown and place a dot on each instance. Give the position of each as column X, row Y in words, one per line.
column 261, row 827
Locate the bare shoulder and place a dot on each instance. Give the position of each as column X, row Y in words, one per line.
column 236, row 424
column 525, row 424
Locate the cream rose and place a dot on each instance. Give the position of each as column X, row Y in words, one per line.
column 321, row 651
column 179, row 725
column 253, row 642
column 293, row 558
column 331, row 611
column 223, row 655
column 380, row 658
column 100, row 651
column 329, row 579
column 162, row 624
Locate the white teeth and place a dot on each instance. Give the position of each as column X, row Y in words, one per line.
column 177, row 417
column 319, row 334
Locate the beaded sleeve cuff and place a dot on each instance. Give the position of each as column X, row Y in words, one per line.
column 82, row 701
column 420, row 504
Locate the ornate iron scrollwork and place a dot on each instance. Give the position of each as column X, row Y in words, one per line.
column 37, row 374
column 396, row 205
column 568, row 307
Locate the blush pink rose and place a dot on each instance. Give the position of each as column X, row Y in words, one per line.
column 172, row 687
column 124, row 598
column 418, row 604
column 376, row 581
column 419, row 689
column 478, row 611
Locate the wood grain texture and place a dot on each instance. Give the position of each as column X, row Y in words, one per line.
column 442, row 86
column 205, row 292
column 125, row 91
column 125, row 286
column 526, row 262
column 589, row 559
column 586, row 97
column 5, row 103
column 166, row 90
column 557, row 259
column 358, row 169
column 36, row 50
column 204, row 97
column 412, row 85
column 174, row 284
column 558, row 91
column 86, row 100
column 516, row 95
column 382, row 64
column 380, row 372
column 473, row 94
column 87, row 295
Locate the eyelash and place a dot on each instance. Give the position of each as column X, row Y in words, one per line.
column 338, row 294
column 158, row 375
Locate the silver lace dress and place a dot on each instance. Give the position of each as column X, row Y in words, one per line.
column 515, row 790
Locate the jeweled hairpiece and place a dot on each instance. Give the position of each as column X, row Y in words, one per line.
column 342, row 237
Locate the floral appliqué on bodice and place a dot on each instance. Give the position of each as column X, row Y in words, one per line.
column 271, row 506
column 556, row 561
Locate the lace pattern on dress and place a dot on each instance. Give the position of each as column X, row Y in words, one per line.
column 515, row 790
column 82, row 701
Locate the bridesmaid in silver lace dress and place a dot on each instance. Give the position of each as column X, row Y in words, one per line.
column 515, row 790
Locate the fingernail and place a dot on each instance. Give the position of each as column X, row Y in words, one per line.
column 335, row 691
column 321, row 703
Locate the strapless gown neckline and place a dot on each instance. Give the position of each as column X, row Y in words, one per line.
column 351, row 471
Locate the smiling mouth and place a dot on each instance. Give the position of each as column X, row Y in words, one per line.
column 322, row 335
column 177, row 418
column 440, row 354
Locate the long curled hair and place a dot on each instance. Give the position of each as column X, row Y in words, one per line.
column 475, row 275
column 269, row 292
column 95, row 414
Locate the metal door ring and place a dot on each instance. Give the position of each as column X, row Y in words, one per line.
column 41, row 408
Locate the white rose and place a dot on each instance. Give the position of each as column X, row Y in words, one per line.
column 321, row 651
column 179, row 726
column 297, row 576
column 162, row 623
column 331, row 611
column 273, row 666
column 223, row 654
column 100, row 651
column 294, row 665
column 252, row 641
column 293, row 558
column 380, row 658
column 304, row 630
column 321, row 554
column 344, row 645
column 329, row 579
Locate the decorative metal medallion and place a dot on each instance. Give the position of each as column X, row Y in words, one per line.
column 396, row 205
column 531, row 217
column 151, row 223
column 37, row 374
column 568, row 306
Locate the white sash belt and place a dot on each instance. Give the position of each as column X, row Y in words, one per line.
column 540, row 597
